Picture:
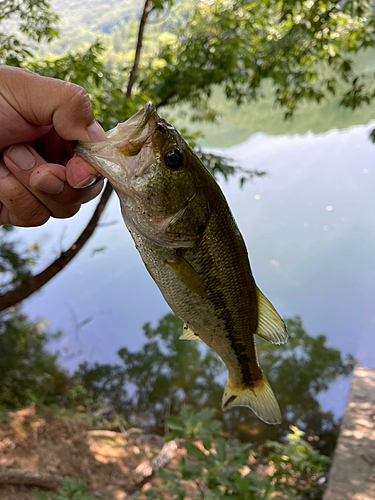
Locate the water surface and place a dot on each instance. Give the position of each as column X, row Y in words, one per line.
column 309, row 229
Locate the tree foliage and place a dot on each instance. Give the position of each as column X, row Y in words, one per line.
column 106, row 89
column 71, row 489
column 303, row 47
column 216, row 468
column 167, row 373
column 16, row 262
column 29, row 373
column 35, row 21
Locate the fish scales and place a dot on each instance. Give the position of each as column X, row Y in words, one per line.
column 229, row 311
column 191, row 246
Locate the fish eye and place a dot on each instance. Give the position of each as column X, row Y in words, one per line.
column 173, row 158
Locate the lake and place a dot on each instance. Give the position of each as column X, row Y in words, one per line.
column 308, row 226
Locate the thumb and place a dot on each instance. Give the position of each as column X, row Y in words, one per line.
column 43, row 101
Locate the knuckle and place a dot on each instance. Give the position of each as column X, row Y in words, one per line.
column 32, row 220
column 89, row 194
column 77, row 96
column 66, row 211
column 38, row 217
column 30, row 213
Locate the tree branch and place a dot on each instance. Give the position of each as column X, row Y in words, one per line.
column 31, row 478
column 133, row 74
column 146, row 470
column 166, row 99
column 34, row 283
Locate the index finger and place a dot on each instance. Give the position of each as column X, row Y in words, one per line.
column 43, row 102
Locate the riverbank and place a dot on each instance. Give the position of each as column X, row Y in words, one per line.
column 352, row 475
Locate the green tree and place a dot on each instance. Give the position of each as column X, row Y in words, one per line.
column 103, row 388
column 29, row 373
column 165, row 373
column 304, row 48
column 35, row 23
column 16, row 261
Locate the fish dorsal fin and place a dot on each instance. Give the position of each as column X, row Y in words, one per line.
column 260, row 398
column 270, row 326
column 188, row 334
column 189, row 276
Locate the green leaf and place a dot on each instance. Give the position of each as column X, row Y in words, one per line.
column 166, row 474
column 206, row 441
column 175, row 424
column 191, row 471
column 195, row 452
column 220, row 445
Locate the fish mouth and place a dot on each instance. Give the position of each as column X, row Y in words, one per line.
column 126, row 139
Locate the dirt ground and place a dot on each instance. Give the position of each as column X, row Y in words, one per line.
column 42, row 442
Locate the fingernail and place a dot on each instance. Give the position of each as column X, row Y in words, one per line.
column 90, row 181
column 4, row 171
column 21, row 156
column 96, row 133
column 48, row 183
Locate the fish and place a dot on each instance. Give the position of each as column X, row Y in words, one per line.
column 191, row 246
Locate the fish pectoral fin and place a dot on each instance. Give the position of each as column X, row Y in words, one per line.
column 189, row 276
column 259, row 398
column 270, row 326
column 188, row 334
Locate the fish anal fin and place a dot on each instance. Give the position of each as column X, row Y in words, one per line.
column 189, row 276
column 259, row 398
column 188, row 334
column 270, row 326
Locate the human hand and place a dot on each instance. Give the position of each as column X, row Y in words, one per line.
column 39, row 176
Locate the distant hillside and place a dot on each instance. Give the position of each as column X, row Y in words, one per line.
column 86, row 20
column 96, row 15
column 113, row 22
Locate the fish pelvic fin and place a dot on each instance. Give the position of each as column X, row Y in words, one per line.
column 188, row 334
column 259, row 398
column 270, row 326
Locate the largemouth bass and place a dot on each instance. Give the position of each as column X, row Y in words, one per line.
column 191, row 246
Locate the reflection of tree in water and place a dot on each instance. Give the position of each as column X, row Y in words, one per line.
column 151, row 384
column 167, row 373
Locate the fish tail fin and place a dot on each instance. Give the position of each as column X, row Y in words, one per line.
column 259, row 398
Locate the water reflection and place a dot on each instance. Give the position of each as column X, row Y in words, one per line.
column 167, row 373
